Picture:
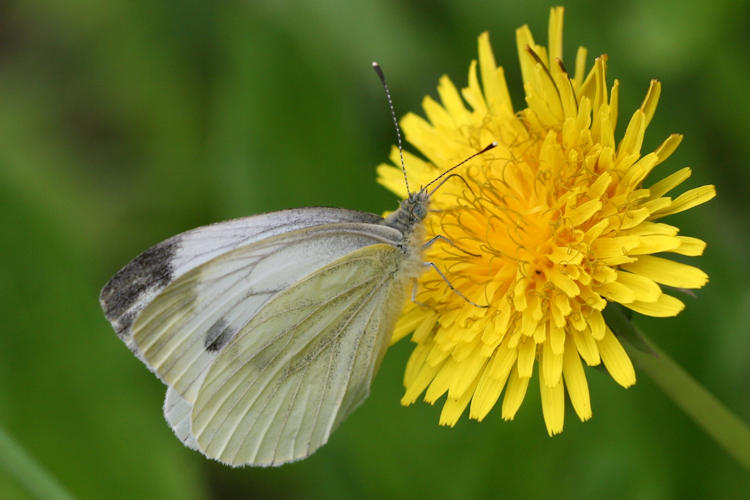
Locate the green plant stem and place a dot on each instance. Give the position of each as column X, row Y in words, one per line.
column 717, row 420
column 34, row 478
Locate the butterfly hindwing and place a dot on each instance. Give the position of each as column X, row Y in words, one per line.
column 177, row 414
column 303, row 363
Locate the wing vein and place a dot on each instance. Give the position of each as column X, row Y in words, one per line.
column 229, row 376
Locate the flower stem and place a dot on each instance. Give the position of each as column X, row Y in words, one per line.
column 717, row 420
column 34, row 478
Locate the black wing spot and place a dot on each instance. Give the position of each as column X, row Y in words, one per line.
column 217, row 336
column 151, row 270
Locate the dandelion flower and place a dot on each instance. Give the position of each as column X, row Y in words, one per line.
column 546, row 229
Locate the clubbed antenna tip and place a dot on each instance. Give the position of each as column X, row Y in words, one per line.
column 379, row 71
column 381, row 75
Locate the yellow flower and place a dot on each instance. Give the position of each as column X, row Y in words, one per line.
column 545, row 230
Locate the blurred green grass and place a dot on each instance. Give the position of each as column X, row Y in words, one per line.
column 123, row 123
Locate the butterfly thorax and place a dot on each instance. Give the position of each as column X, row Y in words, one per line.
column 409, row 215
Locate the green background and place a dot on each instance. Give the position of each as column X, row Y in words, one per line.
column 125, row 122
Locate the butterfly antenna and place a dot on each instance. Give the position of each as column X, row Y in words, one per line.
column 379, row 72
column 454, row 167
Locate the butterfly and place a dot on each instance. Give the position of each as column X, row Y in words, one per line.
column 268, row 330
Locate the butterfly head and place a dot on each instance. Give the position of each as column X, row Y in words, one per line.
column 417, row 204
column 410, row 212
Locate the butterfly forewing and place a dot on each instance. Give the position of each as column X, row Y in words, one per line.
column 181, row 331
column 141, row 280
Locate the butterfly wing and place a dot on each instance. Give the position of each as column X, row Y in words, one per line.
column 140, row 281
column 181, row 304
column 302, row 364
column 177, row 414
column 185, row 308
column 184, row 328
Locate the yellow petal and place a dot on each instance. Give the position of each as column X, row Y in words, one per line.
column 633, row 139
column 580, row 67
column 436, row 114
column 555, row 34
column 553, row 363
column 473, row 93
column 515, row 391
column 470, row 369
column 453, row 408
column 564, row 283
column 688, row 200
column 666, row 306
column 655, row 243
column 670, row 182
column 667, row 272
column 502, row 362
column 690, row 246
column 617, row 292
column 596, row 323
column 613, row 249
column 586, row 346
column 392, row 179
column 419, row 383
column 493, row 80
column 652, row 99
column 668, row 147
column 425, row 327
column 487, row 392
column 616, row 360
column 526, row 357
column 415, row 364
column 645, row 290
column 443, row 379
column 584, row 212
column 575, row 381
column 451, row 99
column 556, row 339
column 553, row 404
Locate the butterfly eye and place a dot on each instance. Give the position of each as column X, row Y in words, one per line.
column 420, row 211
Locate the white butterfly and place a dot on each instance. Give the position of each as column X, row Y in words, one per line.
column 268, row 330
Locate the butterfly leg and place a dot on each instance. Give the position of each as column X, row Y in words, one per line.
column 432, row 265
column 414, row 296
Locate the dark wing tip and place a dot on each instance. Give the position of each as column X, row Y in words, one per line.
column 151, row 270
